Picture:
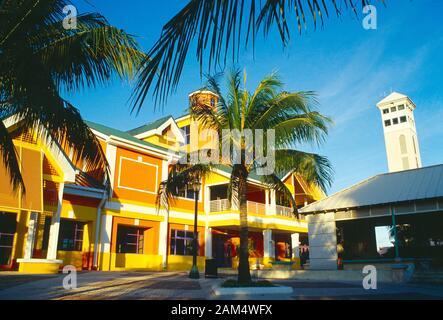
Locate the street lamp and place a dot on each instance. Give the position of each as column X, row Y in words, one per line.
column 194, row 274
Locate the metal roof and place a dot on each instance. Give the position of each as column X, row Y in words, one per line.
column 149, row 126
column 124, row 135
column 410, row 185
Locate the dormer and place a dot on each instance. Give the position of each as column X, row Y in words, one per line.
column 163, row 131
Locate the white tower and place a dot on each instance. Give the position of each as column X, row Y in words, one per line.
column 397, row 112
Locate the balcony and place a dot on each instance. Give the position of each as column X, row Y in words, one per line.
column 284, row 211
column 219, row 205
column 252, row 207
column 256, row 207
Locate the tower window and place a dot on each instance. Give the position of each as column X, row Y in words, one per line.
column 401, row 107
column 393, row 109
column 387, row 123
column 403, row 119
column 403, row 146
column 212, row 102
column 385, row 111
column 395, row 121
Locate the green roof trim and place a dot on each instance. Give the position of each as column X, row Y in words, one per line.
column 149, row 126
column 124, row 135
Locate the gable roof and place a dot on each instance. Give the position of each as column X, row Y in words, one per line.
column 108, row 131
column 410, row 185
column 149, row 126
column 394, row 96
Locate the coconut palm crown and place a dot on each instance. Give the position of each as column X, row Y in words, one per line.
column 41, row 59
column 293, row 119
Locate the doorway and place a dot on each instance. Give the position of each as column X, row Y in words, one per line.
column 8, row 226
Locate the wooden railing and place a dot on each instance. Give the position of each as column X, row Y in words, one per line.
column 220, row 205
column 256, row 207
column 252, row 207
column 284, row 211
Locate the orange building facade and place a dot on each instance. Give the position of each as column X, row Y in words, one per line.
column 68, row 217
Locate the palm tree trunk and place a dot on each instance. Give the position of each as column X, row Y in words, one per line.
column 244, row 274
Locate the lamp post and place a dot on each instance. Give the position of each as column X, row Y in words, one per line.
column 194, row 274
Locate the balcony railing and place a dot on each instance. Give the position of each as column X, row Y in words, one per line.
column 252, row 207
column 220, row 205
column 284, row 211
column 255, row 207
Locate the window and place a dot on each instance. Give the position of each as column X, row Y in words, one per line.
column 403, row 119
column 71, row 235
column 401, row 107
column 385, row 111
column 181, row 242
column 186, row 192
column 212, row 102
column 384, row 239
column 403, row 147
column 387, row 123
column 393, row 109
column 130, row 239
column 395, row 121
column 187, row 134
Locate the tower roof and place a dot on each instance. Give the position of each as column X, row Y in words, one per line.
column 393, row 97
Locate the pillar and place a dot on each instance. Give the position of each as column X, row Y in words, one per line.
column 322, row 241
column 105, row 243
column 30, row 239
column 164, row 225
column 273, row 203
column 268, row 248
column 208, row 243
column 55, row 226
column 295, row 241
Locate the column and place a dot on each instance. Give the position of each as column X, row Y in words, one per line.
column 163, row 239
column 273, row 209
column 267, row 202
column 164, row 225
column 322, row 241
column 30, row 239
column 55, row 226
column 268, row 248
column 105, row 243
column 208, row 243
column 295, row 242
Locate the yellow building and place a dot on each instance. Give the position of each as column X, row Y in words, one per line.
column 67, row 217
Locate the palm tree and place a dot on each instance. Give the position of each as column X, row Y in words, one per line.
column 218, row 28
column 293, row 119
column 40, row 60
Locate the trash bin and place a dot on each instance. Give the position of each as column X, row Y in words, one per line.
column 211, row 269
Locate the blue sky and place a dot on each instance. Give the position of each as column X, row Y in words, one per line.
column 350, row 68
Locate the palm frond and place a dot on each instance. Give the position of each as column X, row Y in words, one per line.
column 9, row 158
column 219, row 28
column 312, row 167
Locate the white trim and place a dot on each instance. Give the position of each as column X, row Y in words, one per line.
column 139, row 162
column 203, row 92
column 99, row 134
column 158, row 131
column 142, row 148
column 111, row 157
column 45, row 261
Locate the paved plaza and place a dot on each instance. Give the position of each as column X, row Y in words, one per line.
column 176, row 286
